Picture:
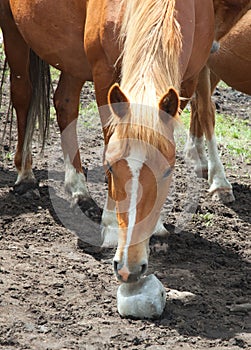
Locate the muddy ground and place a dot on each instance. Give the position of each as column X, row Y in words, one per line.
column 54, row 295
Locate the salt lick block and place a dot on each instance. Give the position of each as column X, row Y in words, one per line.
column 143, row 299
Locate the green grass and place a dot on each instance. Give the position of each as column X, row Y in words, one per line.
column 89, row 117
column 223, row 85
column 235, row 135
column 185, row 118
column 206, row 218
column 55, row 73
column 232, row 133
column 9, row 156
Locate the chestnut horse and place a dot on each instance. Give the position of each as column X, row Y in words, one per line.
column 161, row 50
column 232, row 64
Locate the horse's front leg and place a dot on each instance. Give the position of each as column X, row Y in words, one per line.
column 195, row 147
column 66, row 102
column 21, row 97
column 17, row 53
column 102, row 83
column 203, row 122
column 195, row 152
column 109, row 218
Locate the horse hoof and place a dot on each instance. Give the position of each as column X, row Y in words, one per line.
column 25, row 186
column 224, row 196
column 90, row 208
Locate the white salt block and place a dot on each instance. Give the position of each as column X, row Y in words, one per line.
column 143, row 299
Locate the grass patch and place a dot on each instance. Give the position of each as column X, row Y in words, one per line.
column 55, row 73
column 89, row 117
column 222, row 85
column 235, row 135
column 232, row 133
column 206, row 218
column 185, row 118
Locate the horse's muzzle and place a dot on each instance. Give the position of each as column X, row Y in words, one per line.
column 125, row 275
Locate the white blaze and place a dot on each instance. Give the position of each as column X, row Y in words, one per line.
column 135, row 162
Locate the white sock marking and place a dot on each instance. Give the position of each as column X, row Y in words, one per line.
column 216, row 173
column 195, row 150
column 110, row 226
column 74, row 182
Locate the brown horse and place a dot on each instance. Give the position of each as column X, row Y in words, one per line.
column 161, row 50
column 227, row 13
column 232, row 64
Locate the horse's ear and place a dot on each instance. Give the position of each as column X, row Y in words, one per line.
column 118, row 101
column 169, row 104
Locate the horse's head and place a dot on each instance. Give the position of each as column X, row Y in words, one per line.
column 139, row 160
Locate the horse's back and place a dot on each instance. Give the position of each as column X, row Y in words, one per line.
column 232, row 63
column 197, row 27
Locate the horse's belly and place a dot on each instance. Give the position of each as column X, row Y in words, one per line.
column 232, row 63
column 55, row 32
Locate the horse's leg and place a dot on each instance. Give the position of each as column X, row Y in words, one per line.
column 109, row 219
column 102, row 83
column 66, row 101
column 17, row 53
column 195, row 147
column 220, row 187
column 203, row 122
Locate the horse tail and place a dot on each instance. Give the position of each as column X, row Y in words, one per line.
column 4, row 71
column 9, row 120
column 39, row 110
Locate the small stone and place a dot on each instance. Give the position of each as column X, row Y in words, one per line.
column 174, row 294
column 144, row 299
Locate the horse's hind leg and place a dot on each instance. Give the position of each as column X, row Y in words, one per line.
column 17, row 53
column 66, row 101
column 203, row 119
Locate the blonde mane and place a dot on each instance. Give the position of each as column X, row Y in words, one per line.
column 151, row 41
column 151, row 47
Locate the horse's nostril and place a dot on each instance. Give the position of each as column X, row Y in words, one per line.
column 125, row 275
column 143, row 269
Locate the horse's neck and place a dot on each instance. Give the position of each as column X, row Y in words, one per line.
column 152, row 46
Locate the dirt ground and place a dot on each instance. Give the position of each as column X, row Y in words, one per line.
column 53, row 295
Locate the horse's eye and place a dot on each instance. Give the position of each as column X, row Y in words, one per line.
column 168, row 172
